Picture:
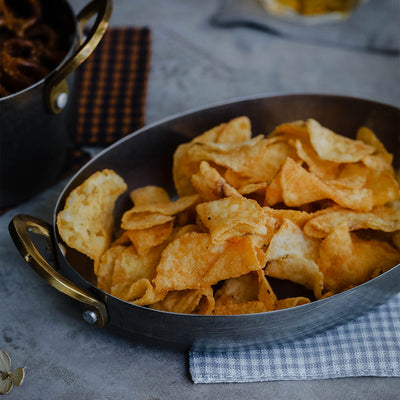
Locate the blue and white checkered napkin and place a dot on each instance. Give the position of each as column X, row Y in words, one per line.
column 366, row 346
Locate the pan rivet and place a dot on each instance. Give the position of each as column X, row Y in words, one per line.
column 61, row 100
column 89, row 316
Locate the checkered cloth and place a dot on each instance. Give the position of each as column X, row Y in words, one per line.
column 366, row 346
column 112, row 87
column 111, row 90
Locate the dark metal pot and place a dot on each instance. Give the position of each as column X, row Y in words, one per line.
column 37, row 123
column 144, row 158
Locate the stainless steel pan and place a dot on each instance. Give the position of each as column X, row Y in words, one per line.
column 145, row 157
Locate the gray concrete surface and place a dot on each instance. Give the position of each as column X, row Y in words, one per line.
column 193, row 64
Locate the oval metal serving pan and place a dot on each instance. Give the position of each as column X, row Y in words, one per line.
column 145, row 158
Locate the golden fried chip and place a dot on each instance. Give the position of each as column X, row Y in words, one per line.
column 144, row 220
column 298, row 270
column 122, row 239
column 235, row 131
column 211, row 185
column 182, row 175
column 291, row 302
column 146, row 239
column 225, row 305
column 250, row 287
column 291, row 241
column 300, row 218
column 291, row 130
column 232, row 216
column 323, row 169
column 381, row 218
column 384, row 187
column 87, row 222
column 164, row 208
column 105, row 268
column 296, row 187
column 192, row 261
column 346, row 260
column 187, row 301
column 367, row 136
column 381, row 182
column 293, row 256
column 333, row 147
column 149, row 195
column 142, row 293
column 130, row 267
column 145, row 216
column 257, row 158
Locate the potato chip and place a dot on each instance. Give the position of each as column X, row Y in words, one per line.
column 149, row 195
column 300, row 218
column 235, row 131
column 291, row 241
column 380, row 181
column 333, row 147
column 352, row 176
column 226, row 306
column 144, row 220
column 146, row 239
column 142, row 293
column 382, row 218
column 238, row 258
column 291, row 130
column 122, row 239
column 192, row 261
column 164, row 208
column 296, row 187
column 368, row 137
column 146, row 216
column 346, row 260
column 323, row 169
column 256, row 158
column 250, row 287
column 180, row 175
column 130, row 267
column 232, row 216
column 299, row 270
column 293, row 256
column 87, row 222
column 211, row 185
column 187, row 301
column 291, row 302
column 105, row 268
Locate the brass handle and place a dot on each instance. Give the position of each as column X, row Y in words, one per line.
column 56, row 89
column 19, row 228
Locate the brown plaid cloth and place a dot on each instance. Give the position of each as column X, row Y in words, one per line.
column 112, row 87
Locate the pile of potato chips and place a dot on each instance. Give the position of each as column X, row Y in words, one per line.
column 303, row 204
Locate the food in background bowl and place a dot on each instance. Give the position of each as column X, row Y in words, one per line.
column 310, row 8
column 30, row 48
column 302, row 204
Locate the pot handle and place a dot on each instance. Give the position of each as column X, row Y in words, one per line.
column 95, row 310
column 56, row 89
